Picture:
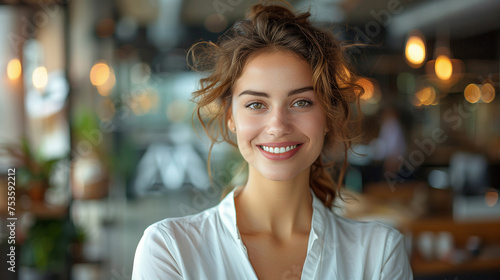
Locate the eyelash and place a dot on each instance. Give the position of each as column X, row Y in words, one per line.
column 308, row 102
column 249, row 105
column 252, row 103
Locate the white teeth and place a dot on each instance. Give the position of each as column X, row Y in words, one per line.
column 278, row 150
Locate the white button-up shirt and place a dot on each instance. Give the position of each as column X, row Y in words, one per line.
column 208, row 245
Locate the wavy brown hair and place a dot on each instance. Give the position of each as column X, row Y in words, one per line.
column 274, row 27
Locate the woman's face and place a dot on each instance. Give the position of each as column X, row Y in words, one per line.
column 280, row 125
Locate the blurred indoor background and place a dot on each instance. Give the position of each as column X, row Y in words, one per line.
column 95, row 118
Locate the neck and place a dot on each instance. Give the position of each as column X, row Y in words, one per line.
column 278, row 208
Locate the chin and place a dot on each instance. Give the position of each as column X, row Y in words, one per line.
column 276, row 174
column 275, row 177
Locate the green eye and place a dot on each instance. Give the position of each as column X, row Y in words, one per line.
column 255, row 106
column 302, row 103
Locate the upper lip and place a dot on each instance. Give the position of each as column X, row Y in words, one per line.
column 281, row 144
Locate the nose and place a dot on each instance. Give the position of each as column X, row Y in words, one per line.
column 279, row 123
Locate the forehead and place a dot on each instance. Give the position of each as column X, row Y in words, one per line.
column 274, row 71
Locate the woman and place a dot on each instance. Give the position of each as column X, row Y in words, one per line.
column 281, row 87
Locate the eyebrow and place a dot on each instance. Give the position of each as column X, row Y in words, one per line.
column 263, row 94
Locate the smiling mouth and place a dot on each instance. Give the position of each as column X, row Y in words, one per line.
column 279, row 150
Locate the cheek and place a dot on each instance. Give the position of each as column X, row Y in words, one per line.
column 248, row 128
column 313, row 124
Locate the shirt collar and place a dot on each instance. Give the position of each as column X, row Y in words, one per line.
column 227, row 212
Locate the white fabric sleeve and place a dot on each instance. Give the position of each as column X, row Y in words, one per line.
column 396, row 265
column 155, row 256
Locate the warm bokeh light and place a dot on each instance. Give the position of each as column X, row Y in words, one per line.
column 415, row 51
column 491, row 197
column 444, row 71
column 423, row 94
column 40, row 77
column 99, row 74
column 144, row 102
column 426, row 96
column 416, row 102
column 443, row 67
column 487, row 93
column 14, row 69
column 105, row 89
column 432, row 98
column 472, row 93
column 368, row 88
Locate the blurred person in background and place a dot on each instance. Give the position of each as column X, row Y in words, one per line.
column 391, row 141
column 281, row 87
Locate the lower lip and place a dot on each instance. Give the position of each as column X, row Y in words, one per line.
column 282, row 156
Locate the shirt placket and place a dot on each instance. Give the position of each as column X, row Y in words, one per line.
column 245, row 251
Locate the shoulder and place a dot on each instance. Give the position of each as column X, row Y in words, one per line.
column 166, row 244
column 375, row 229
column 381, row 246
column 358, row 234
column 182, row 227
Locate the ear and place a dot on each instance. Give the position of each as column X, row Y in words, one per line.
column 229, row 119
